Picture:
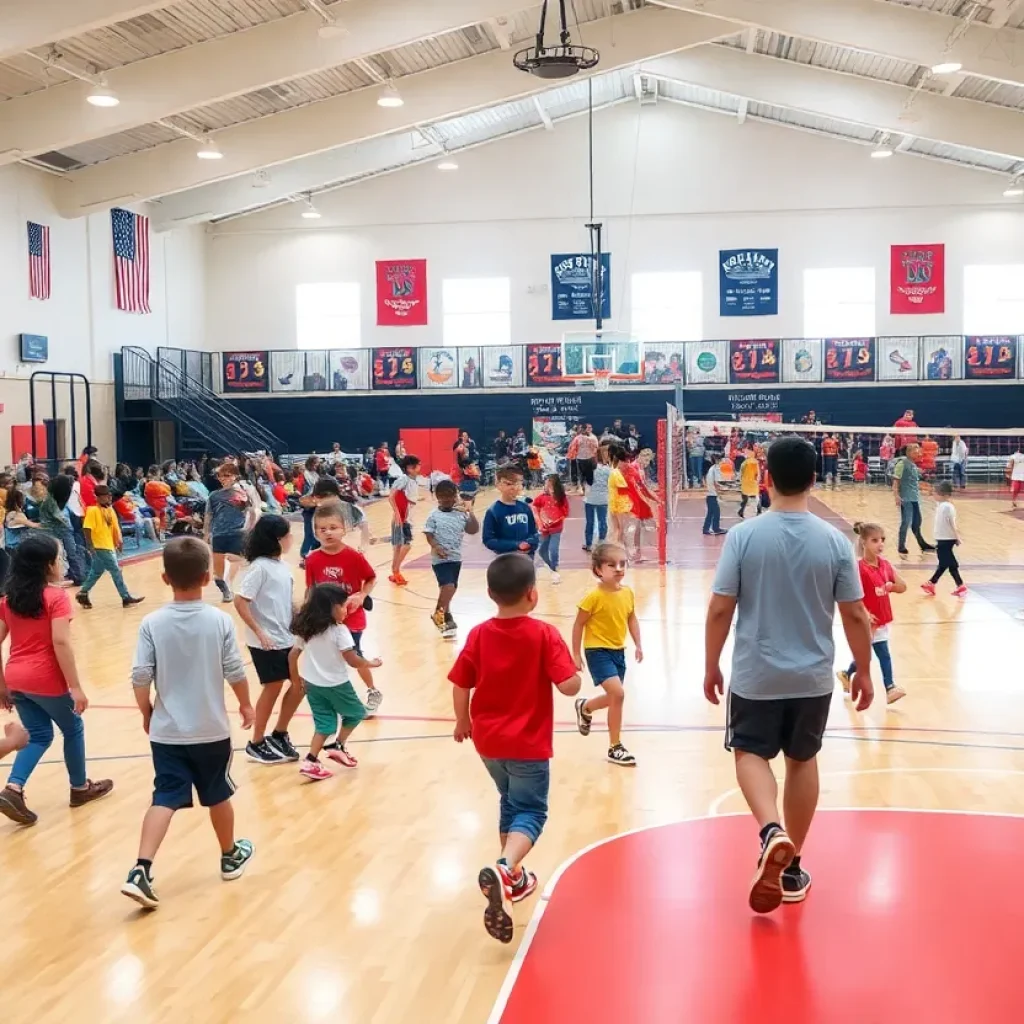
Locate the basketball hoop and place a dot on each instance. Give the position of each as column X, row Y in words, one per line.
column 602, row 379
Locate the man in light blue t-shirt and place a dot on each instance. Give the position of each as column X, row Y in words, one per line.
column 783, row 575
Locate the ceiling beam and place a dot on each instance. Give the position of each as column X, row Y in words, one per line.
column 502, row 31
column 228, row 66
column 844, row 97
column 542, row 113
column 430, row 96
column 887, row 29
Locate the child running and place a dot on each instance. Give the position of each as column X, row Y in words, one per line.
column 510, row 663
column 404, row 492
column 40, row 679
column 595, row 501
column 620, row 508
column 509, row 524
column 104, row 544
column 860, row 475
column 947, row 538
column 444, row 529
column 227, row 513
column 318, row 661
column 879, row 579
column 603, row 618
column 186, row 651
column 335, row 562
column 264, row 604
column 750, row 474
column 551, row 510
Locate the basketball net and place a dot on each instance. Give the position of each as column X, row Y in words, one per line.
column 602, row 379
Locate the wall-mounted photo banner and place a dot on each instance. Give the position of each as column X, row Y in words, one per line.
column 544, row 364
column 349, row 369
column 471, row 374
column 438, row 367
column 899, row 359
column 401, row 293
column 707, row 362
column 754, row 361
column 849, row 359
column 993, row 357
column 917, row 279
column 394, row 369
column 572, row 286
column 298, row 371
column 748, row 282
column 503, row 366
column 664, row 363
column 942, row 358
column 245, row 372
column 802, row 360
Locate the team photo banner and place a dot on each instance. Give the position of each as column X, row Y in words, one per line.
column 503, row 366
column 849, row 359
column 993, row 357
column 349, row 369
column 401, row 293
column 899, row 359
column 917, row 279
column 748, row 282
column 544, row 364
column 802, row 360
column 572, row 286
column 707, row 362
column 394, row 369
column 754, row 361
column 245, row 372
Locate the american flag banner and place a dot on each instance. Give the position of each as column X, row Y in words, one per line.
column 38, row 261
column 131, row 260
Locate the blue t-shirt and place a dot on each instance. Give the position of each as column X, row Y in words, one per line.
column 787, row 570
column 507, row 526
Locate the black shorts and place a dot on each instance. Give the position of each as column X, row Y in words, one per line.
column 228, row 543
column 178, row 769
column 271, row 666
column 447, row 573
column 764, row 727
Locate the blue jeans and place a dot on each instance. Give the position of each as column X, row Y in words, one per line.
column 696, row 469
column 523, row 786
column 76, row 529
column 38, row 715
column 959, row 474
column 309, row 541
column 599, row 513
column 910, row 519
column 105, row 561
column 713, row 517
column 548, row 550
column 72, row 552
column 881, row 649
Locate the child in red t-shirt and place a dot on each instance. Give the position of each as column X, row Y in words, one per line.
column 335, row 562
column 551, row 509
column 879, row 580
column 860, row 475
column 510, row 663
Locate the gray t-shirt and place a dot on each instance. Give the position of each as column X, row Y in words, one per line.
column 909, row 477
column 267, row 585
column 712, row 478
column 448, row 529
column 187, row 649
column 787, row 570
column 227, row 510
column 597, row 493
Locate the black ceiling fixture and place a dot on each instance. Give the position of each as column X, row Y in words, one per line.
column 561, row 61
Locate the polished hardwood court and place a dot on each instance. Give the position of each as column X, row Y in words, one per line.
column 360, row 905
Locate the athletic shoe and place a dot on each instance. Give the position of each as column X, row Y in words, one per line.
column 449, row 633
column 844, row 680
column 129, row 601
column 314, row 770
column 555, row 578
column 796, row 883
column 620, row 755
column 583, row 718
column 497, row 889
column 450, row 623
column 139, row 887
column 928, row 548
column 438, row 619
column 960, row 591
column 523, row 886
column 719, row 533
column 374, row 699
column 766, row 889
column 894, row 694
column 344, row 758
column 283, row 745
column 90, row 791
column 264, row 753
column 13, row 806
column 585, row 547
column 928, row 588
column 232, row 865
column 83, row 600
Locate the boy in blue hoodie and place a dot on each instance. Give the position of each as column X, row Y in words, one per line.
column 509, row 524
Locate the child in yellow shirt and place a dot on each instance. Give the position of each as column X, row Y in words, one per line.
column 604, row 617
column 103, row 540
column 750, row 479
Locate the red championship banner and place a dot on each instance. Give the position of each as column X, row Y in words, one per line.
column 752, row 360
column 401, row 293
column 917, row 279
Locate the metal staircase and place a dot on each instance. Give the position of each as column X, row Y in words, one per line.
column 206, row 421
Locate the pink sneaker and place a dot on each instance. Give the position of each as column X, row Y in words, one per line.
column 314, row 770
column 343, row 757
column 960, row 591
column 928, row 588
column 525, row 885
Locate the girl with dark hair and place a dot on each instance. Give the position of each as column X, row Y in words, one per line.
column 323, row 650
column 17, row 525
column 40, row 680
column 264, row 604
column 551, row 509
column 54, row 520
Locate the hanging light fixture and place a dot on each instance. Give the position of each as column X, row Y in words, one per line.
column 447, row 164
column 390, row 97
column 209, row 150
column 310, row 212
column 561, row 61
column 949, row 67
column 101, row 95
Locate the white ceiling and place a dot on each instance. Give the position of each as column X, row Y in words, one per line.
column 295, row 113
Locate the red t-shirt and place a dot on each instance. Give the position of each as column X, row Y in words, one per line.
column 348, row 569
column 32, row 664
column 125, row 509
column 860, row 470
column 873, row 579
column 512, row 665
column 280, row 494
column 829, row 447
column 383, row 460
column 87, row 486
column 551, row 515
column 904, row 439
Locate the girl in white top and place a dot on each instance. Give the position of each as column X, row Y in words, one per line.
column 1015, row 471
column 947, row 537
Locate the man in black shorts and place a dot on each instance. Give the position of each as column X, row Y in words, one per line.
column 784, row 574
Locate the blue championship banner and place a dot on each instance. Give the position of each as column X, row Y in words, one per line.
column 990, row 357
column 572, row 286
column 849, row 359
column 748, row 282
column 754, row 361
column 394, row 369
column 245, row 372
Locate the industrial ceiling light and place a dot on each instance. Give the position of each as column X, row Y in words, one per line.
column 390, row 97
column 448, row 164
column 882, row 152
column 310, row 212
column 561, row 61
column 209, row 150
column 950, row 67
column 1014, row 190
column 101, row 95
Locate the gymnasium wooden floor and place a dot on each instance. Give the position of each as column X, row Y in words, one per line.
column 361, row 906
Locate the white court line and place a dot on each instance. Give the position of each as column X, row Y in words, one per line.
column 515, row 967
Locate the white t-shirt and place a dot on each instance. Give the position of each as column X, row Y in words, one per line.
column 75, row 500
column 267, row 585
column 321, row 663
column 945, row 521
column 714, row 476
column 1017, row 466
column 406, row 484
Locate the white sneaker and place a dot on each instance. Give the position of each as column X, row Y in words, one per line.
column 555, row 578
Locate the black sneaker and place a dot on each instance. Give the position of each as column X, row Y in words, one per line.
column 129, row 601
column 83, row 600
column 334, row 745
column 766, row 889
column 232, row 865
column 264, row 753
column 139, row 887
column 620, row 755
column 795, row 885
column 282, row 743
column 583, row 719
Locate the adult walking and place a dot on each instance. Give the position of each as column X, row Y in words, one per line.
column 906, row 489
column 586, row 456
column 783, row 575
column 958, row 462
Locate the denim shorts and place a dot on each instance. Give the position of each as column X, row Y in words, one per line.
column 401, row 535
column 605, row 663
column 447, row 573
column 523, row 791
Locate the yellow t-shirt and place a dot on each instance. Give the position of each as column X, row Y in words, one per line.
column 618, row 503
column 609, row 615
column 750, row 471
column 102, row 523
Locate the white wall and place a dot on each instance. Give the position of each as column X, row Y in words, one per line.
column 675, row 185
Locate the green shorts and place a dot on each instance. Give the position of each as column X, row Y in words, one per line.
column 328, row 702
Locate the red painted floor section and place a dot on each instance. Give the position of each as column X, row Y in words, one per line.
column 913, row 917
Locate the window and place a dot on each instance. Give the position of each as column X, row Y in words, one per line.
column 994, row 299
column 667, row 307
column 477, row 311
column 327, row 315
column 839, row 303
